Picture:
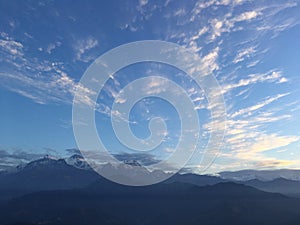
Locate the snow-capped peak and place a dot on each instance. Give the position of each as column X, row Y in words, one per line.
column 132, row 162
column 46, row 160
column 78, row 161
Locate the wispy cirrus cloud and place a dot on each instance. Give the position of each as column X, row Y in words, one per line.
column 244, row 53
column 42, row 81
column 10, row 159
column 59, row 88
column 228, row 37
column 82, row 48
column 11, row 46
column 52, row 46
column 248, row 139
column 245, row 16
column 249, row 110
column 272, row 76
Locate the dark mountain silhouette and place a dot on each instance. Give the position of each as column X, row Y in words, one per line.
column 44, row 174
column 52, row 191
column 280, row 185
column 106, row 203
column 199, row 180
column 262, row 175
column 74, row 172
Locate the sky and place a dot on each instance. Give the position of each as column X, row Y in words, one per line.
column 251, row 47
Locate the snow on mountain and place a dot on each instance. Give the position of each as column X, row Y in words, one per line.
column 132, row 162
column 44, row 162
column 135, row 169
column 78, row 162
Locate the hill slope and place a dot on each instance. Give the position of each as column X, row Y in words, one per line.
column 176, row 203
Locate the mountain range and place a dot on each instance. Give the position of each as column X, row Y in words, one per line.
column 263, row 175
column 68, row 191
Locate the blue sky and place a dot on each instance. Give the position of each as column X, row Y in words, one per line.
column 251, row 47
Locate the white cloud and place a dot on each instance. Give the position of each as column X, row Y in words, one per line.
column 201, row 32
column 143, row 2
column 254, row 63
column 244, row 128
column 216, row 26
column 246, row 16
column 209, row 61
column 283, row 80
column 244, row 53
column 270, row 76
column 199, row 6
column 220, row 26
column 12, row 47
column 237, row 2
column 267, row 142
column 179, row 12
column 59, row 88
column 248, row 138
column 248, row 148
column 26, row 94
column 156, row 86
column 82, row 47
column 52, row 46
column 248, row 145
column 251, row 109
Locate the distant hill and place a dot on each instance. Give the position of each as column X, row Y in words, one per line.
column 280, row 185
column 199, row 180
column 44, row 174
column 58, row 174
column 58, row 191
column 108, row 203
column 262, row 175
